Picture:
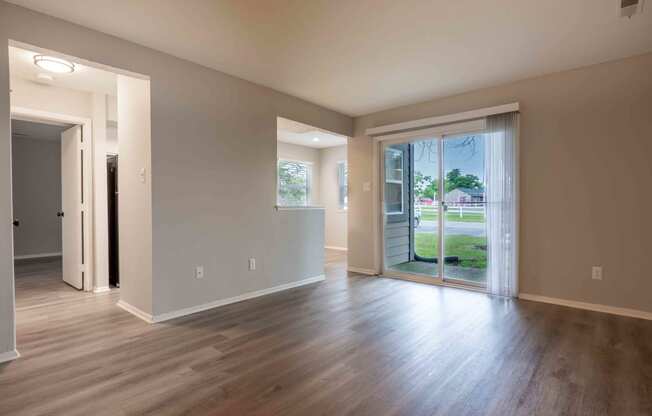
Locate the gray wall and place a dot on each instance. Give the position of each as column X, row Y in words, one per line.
column 585, row 151
column 213, row 169
column 36, row 176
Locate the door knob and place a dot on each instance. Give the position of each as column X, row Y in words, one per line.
column 16, row 223
column 60, row 214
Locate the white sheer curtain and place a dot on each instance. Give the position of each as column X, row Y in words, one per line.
column 501, row 164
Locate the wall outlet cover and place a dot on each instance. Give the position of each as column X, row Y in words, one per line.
column 199, row 272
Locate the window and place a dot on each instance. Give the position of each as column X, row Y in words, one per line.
column 393, row 181
column 342, row 177
column 293, row 183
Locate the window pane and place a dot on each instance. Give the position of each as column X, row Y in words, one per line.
column 293, row 183
column 342, row 175
column 393, row 181
column 393, row 165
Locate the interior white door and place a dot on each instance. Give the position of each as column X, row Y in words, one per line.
column 72, row 200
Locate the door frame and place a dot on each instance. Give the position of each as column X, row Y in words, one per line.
column 380, row 142
column 28, row 114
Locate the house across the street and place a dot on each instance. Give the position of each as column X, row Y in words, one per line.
column 464, row 195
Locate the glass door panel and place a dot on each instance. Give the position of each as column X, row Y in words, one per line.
column 425, row 188
column 464, row 222
column 411, row 208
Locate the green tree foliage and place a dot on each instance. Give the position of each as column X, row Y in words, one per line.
column 455, row 179
column 293, row 183
column 426, row 187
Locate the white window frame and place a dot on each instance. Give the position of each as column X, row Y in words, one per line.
column 396, row 182
column 309, row 185
column 343, row 175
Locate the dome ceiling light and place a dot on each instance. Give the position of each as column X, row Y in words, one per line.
column 52, row 64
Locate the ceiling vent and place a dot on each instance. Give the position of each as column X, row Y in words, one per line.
column 629, row 8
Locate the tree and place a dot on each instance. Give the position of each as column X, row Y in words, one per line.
column 293, row 183
column 424, row 186
column 455, row 180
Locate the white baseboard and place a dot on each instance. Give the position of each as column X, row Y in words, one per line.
column 135, row 311
column 102, row 289
column 9, row 356
column 336, row 248
column 200, row 308
column 632, row 313
column 360, row 270
column 37, row 256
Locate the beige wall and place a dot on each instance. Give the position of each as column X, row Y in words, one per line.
column 335, row 233
column 585, row 151
column 207, row 129
column 135, row 193
column 49, row 98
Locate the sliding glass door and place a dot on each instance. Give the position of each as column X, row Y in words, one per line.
column 434, row 209
column 464, row 203
column 411, row 208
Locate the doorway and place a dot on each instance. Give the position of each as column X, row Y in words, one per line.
column 434, row 209
column 112, row 204
column 95, row 128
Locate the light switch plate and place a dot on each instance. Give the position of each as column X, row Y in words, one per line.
column 596, row 273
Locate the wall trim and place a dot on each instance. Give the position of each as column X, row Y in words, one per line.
column 37, row 256
column 631, row 313
column 246, row 296
column 135, row 311
column 102, row 289
column 336, row 248
column 9, row 356
column 370, row 272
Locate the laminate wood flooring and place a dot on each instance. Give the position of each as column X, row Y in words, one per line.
column 352, row 345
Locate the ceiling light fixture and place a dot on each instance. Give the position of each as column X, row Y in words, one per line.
column 52, row 64
column 316, row 139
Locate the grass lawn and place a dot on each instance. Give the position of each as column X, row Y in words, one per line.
column 431, row 215
column 471, row 250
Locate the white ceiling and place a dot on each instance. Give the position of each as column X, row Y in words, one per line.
column 293, row 132
column 85, row 78
column 361, row 56
column 22, row 129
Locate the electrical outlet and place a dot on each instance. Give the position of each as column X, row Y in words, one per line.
column 596, row 273
column 252, row 264
column 199, row 272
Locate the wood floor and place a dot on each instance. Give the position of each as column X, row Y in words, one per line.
column 350, row 345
